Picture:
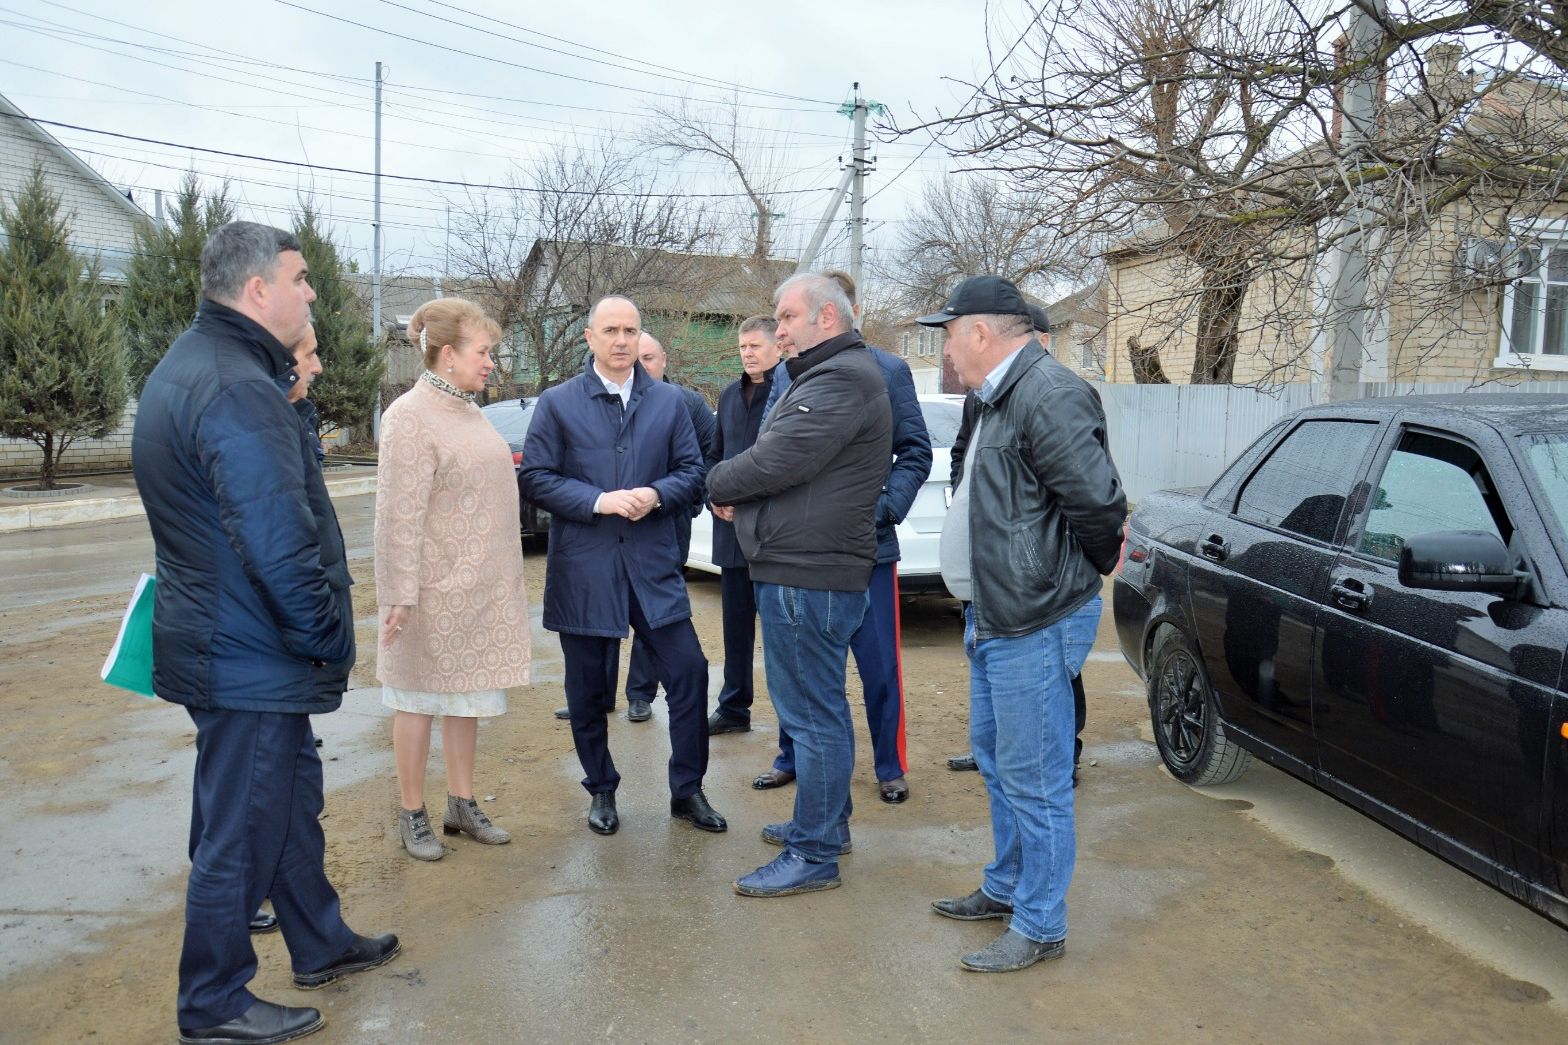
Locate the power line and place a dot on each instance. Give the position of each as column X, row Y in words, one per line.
column 449, row 182
column 499, row 61
column 641, row 67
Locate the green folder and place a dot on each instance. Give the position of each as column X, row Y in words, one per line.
column 129, row 664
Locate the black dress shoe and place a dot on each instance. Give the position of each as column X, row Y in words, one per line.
column 962, row 763
column 262, row 922
column 719, row 722
column 261, row 1024
column 638, row 710
column 893, row 791
column 563, row 713
column 694, row 808
column 771, row 779
column 366, row 952
column 602, row 817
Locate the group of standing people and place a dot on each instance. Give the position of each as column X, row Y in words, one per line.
column 817, row 452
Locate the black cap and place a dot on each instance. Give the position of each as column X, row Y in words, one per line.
column 980, row 295
column 1040, row 319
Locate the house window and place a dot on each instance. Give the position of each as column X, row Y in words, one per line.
column 1535, row 304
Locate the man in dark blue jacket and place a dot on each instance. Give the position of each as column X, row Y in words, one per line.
column 878, row 656
column 253, row 631
column 612, row 456
column 641, row 682
column 740, row 419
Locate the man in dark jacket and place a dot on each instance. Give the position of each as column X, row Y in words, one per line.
column 613, row 457
column 253, row 631
column 878, row 658
column 1035, row 523
column 740, row 421
column 805, row 498
column 641, row 683
column 955, row 471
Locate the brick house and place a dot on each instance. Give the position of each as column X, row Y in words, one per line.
column 1480, row 295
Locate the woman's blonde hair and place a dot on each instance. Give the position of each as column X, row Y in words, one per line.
column 443, row 321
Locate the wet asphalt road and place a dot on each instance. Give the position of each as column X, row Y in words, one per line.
column 1259, row 911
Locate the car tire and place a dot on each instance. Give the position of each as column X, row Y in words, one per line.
column 1187, row 727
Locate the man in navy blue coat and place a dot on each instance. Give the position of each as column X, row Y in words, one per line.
column 878, row 654
column 612, row 456
column 740, row 419
column 253, row 632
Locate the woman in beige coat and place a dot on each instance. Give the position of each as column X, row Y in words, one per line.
column 449, row 570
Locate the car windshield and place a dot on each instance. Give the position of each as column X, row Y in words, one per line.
column 1547, row 453
column 942, row 420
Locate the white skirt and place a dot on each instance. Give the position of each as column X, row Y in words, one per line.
column 484, row 703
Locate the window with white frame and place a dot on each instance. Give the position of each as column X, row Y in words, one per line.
column 1535, row 302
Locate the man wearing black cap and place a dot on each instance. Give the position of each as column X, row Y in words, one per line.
column 1035, row 522
column 1042, row 326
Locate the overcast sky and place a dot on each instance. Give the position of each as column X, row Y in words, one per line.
column 292, row 80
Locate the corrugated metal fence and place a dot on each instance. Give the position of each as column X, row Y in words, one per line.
column 1167, row 436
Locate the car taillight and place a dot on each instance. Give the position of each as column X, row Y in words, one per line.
column 517, row 458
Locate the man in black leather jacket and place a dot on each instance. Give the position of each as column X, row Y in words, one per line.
column 1035, row 522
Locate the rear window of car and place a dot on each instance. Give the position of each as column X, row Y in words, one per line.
column 942, row 420
column 1303, row 485
column 511, row 419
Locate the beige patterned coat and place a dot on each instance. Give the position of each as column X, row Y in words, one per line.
column 447, row 544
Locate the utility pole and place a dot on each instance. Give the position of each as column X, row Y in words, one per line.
column 857, row 197
column 375, row 261
column 1359, row 105
column 854, row 183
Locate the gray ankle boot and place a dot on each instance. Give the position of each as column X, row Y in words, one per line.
column 464, row 814
column 413, row 825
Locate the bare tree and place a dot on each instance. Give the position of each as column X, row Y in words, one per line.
column 969, row 225
column 1211, row 132
column 577, row 225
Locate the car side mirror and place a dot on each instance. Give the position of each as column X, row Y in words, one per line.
column 1459, row 560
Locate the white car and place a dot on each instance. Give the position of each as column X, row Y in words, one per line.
column 920, row 565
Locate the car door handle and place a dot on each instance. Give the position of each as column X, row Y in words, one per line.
column 1350, row 594
column 1214, row 547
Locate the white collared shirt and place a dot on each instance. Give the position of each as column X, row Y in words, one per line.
column 624, row 391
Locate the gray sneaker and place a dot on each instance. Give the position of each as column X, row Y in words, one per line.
column 413, row 826
column 464, row 815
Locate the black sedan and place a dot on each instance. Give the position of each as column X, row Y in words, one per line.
column 1374, row 598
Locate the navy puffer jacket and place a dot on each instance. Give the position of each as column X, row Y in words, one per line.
column 253, row 610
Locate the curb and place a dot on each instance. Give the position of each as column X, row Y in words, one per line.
column 100, row 509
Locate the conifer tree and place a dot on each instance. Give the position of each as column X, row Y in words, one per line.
column 351, row 364
column 163, row 280
column 62, row 356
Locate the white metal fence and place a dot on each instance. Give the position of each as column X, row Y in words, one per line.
column 1169, row 436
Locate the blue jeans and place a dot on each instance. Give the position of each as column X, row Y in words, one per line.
column 805, row 645
column 1021, row 727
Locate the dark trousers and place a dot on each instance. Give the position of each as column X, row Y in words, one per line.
column 255, row 833
column 877, row 646
column 740, row 643
column 642, row 680
column 1080, row 716
column 590, row 693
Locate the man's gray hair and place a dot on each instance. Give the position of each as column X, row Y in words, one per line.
column 594, row 310
column 1005, row 326
column 238, row 251
column 765, row 324
column 820, row 290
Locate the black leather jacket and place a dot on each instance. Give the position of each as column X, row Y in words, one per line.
column 1046, row 505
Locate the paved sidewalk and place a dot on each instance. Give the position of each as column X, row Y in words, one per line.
column 115, row 497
